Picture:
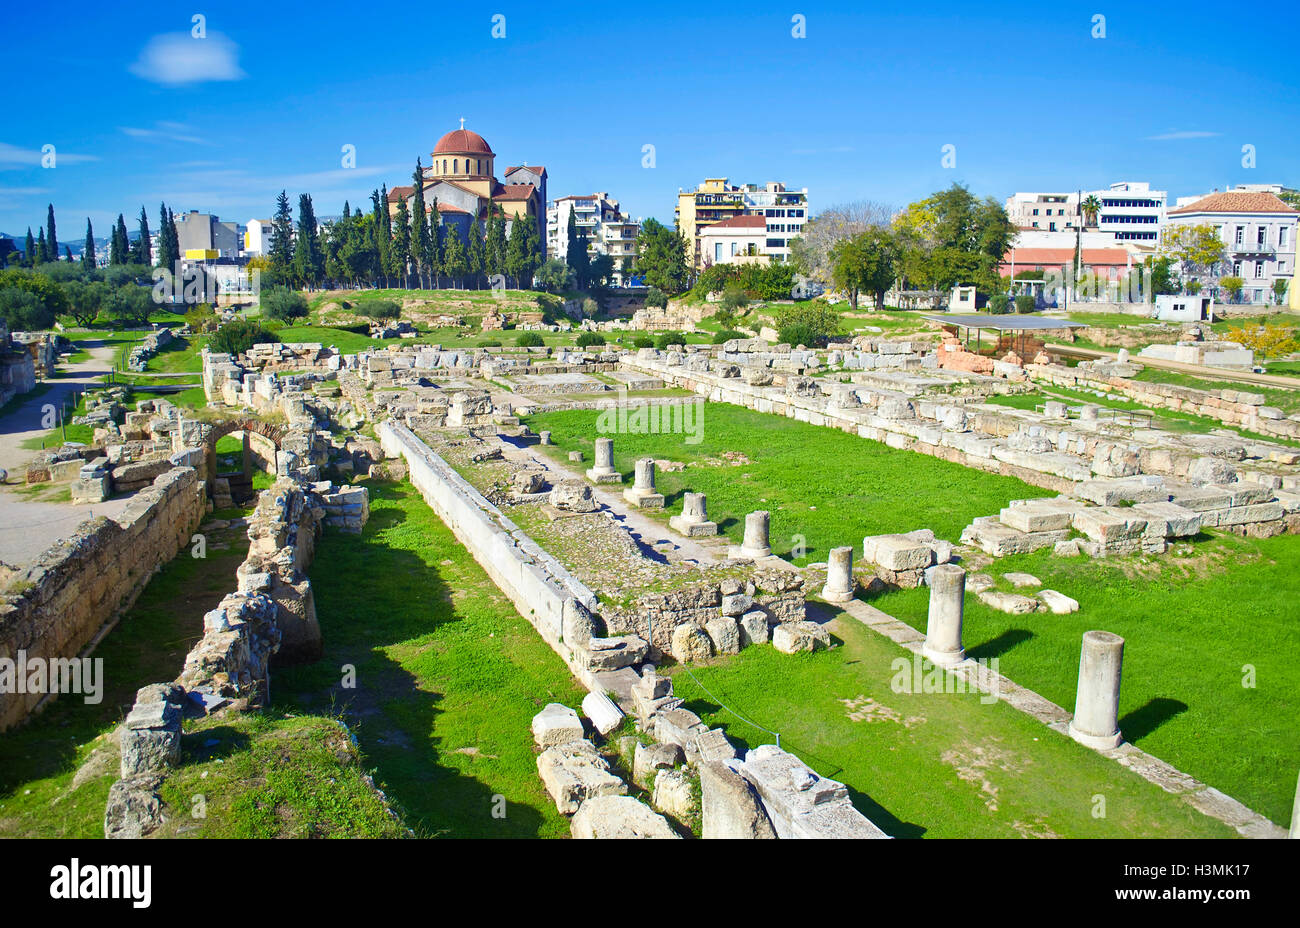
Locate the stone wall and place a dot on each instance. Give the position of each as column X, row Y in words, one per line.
column 64, row 603
column 1239, row 408
column 541, row 589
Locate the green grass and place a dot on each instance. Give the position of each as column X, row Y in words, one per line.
column 929, row 765
column 448, row 675
column 1192, row 622
column 828, row 486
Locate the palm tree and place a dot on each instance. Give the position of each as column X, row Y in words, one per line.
column 1091, row 206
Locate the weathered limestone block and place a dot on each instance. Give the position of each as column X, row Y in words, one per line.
column 573, row 497
column 730, row 806
column 613, row 653
column 134, row 808
column 712, row 744
column 649, row 759
column 578, row 625
column 674, row 795
column 679, row 727
column 607, row 816
column 753, row 628
column 1169, row 520
column 691, row 642
column 604, row 715
column 1012, row 603
column 574, row 773
column 897, row 552
column 801, row 804
column 1039, row 515
column 1059, row 603
column 556, row 724
column 724, row 633
column 792, row 637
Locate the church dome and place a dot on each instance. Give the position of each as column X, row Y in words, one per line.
column 462, row 141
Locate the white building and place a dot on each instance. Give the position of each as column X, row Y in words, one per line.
column 609, row 231
column 785, row 211
column 1258, row 232
column 1130, row 211
column 257, row 237
column 738, row 240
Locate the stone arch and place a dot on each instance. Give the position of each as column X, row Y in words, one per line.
column 248, row 426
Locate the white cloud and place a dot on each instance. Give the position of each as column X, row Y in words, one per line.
column 167, row 131
column 177, row 58
column 1179, row 135
column 12, row 154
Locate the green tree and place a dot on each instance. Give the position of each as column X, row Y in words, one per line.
column 42, row 252
column 656, row 298
column 281, row 251
column 51, row 236
column 601, row 270
column 400, row 254
column 1232, row 286
column 661, row 257
column 143, row 249
column 1198, row 249
column 496, row 241
column 455, row 261
column 475, row 253
column 85, row 300
column 517, row 251
column 283, row 304
column 88, row 251
column 29, row 250
column 1090, row 206
column 808, row 323
column 308, row 256
column 24, row 311
column 238, row 335
column 383, row 231
column 120, row 247
column 555, row 276
column 867, row 262
column 423, row 246
column 131, row 305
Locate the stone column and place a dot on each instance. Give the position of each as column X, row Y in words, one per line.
column 694, row 519
column 755, row 544
column 1096, row 704
column 839, row 576
column 943, row 627
column 544, row 438
column 602, row 471
column 642, row 492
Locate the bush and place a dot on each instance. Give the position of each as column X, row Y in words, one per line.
column 726, row 335
column 590, row 339
column 238, row 336
column 643, row 341
column 656, row 298
column 201, row 318
column 376, row 309
column 808, row 324
column 999, row 304
column 24, row 311
column 490, row 343
column 283, row 304
column 529, row 340
column 1025, row 303
column 1266, row 339
column 667, row 339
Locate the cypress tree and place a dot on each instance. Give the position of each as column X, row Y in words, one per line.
column 166, row 254
column 517, row 252
column 143, row 250
column 400, row 253
column 29, row 249
column 420, row 244
column 308, row 260
column 123, row 241
column 41, row 254
column 88, row 253
column 455, row 260
column 67, row 253
column 532, row 248
column 475, row 253
column 281, row 254
column 51, row 237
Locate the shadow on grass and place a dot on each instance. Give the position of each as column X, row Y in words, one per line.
column 1143, row 721
column 371, row 596
column 996, row 647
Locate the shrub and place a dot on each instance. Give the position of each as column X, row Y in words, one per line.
column 999, row 304
column 376, row 309
column 589, row 339
column 808, row 324
column 529, row 340
column 283, row 304
column 656, row 298
column 667, row 339
column 490, row 343
column 24, row 311
column 726, row 335
column 643, row 341
column 1025, row 303
column 1267, row 340
column 201, row 318
column 238, row 336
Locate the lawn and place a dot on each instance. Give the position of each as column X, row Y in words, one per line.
column 1195, row 621
column 828, row 486
column 191, row 398
column 448, row 675
column 937, row 765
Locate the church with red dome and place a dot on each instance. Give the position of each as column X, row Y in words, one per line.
column 461, row 178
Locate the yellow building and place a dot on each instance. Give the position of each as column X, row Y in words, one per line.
column 715, row 200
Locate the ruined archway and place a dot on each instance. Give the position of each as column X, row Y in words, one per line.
column 261, row 443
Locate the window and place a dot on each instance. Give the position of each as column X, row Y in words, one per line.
column 1236, row 268
column 1261, row 235
column 1259, row 268
column 733, row 249
column 1035, row 212
column 1283, row 237
column 1241, row 235
column 717, row 252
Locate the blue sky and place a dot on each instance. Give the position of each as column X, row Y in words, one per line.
column 139, row 111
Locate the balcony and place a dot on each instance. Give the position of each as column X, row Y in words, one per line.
column 1253, row 248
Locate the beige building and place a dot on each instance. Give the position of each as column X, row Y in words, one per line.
column 784, row 213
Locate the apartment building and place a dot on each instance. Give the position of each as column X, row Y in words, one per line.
column 609, row 230
column 1129, row 211
column 1258, row 231
column 197, row 231
column 784, row 212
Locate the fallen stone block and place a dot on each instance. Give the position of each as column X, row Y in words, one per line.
column 604, row 817
column 613, row 653
column 1019, row 580
column 793, row 637
column 800, row 803
column 674, row 795
column 649, row 759
column 1012, row 603
column 1059, row 603
column 574, row 773
column 604, row 715
column 753, row 628
column 690, row 643
column 724, row 633
column 556, row 724
column 730, row 807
